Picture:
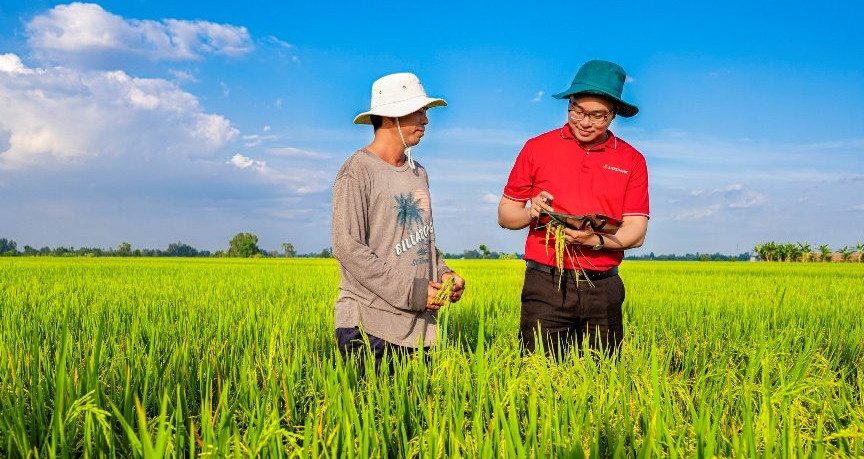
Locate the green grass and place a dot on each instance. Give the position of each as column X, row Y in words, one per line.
column 221, row 357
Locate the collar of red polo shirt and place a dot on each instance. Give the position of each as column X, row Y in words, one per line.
column 611, row 141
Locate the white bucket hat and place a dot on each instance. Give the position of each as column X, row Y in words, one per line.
column 396, row 95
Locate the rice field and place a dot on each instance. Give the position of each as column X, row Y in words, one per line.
column 232, row 357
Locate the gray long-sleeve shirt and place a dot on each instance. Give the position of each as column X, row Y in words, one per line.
column 383, row 237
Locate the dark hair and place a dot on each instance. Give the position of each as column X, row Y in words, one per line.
column 376, row 121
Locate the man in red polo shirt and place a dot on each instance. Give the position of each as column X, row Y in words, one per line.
column 580, row 168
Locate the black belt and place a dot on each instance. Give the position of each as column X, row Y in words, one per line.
column 580, row 273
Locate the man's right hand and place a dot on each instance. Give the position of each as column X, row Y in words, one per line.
column 514, row 215
column 431, row 291
column 541, row 202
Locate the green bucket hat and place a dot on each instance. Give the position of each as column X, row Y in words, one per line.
column 602, row 78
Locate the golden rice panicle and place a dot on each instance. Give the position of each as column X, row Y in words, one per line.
column 555, row 231
column 445, row 291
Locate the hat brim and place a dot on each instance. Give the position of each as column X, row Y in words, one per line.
column 398, row 109
column 624, row 109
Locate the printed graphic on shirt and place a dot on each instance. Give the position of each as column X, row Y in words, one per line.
column 412, row 214
column 408, row 211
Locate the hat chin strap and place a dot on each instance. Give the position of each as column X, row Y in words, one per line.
column 405, row 145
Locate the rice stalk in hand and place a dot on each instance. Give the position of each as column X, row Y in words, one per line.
column 445, row 291
column 556, row 230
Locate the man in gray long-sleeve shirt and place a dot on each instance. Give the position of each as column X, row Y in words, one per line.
column 383, row 234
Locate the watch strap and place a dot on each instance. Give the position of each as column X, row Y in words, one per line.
column 600, row 243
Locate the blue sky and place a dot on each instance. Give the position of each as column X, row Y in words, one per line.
column 155, row 122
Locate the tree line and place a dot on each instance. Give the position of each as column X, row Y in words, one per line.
column 717, row 256
column 242, row 245
column 801, row 252
column 481, row 252
column 245, row 245
column 175, row 249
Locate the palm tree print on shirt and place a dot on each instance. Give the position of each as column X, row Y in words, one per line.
column 408, row 210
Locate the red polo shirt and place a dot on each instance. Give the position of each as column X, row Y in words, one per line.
column 610, row 179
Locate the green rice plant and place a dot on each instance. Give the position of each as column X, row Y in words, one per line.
column 228, row 357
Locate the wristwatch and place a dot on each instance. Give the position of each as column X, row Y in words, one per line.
column 599, row 244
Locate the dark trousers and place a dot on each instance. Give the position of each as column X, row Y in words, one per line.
column 568, row 316
column 352, row 346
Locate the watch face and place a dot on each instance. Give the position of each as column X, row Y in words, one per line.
column 600, row 242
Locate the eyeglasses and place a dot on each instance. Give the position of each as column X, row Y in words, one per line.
column 594, row 117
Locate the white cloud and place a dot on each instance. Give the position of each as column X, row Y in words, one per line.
column 183, row 76
column 278, row 42
column 298, row 181
column 538, row 97
column 60, row 114
column 10, row 63
column 735, row 196
column 84, row 32
column 696, row 214
column 764, row 157
column 244, row 162
column 490, row 198
column 839, row 144
column 291, row 152
column 280, row 48
column 253, row 140
column 721, row 204
column 747, row 200
column 730, row 188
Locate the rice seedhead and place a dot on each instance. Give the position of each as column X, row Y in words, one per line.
column 555, row 231
column 445, row 291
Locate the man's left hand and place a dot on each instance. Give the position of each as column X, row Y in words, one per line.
column 458, row 285
column 573, row 236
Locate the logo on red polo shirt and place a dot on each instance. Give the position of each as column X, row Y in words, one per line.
column 613, row 168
